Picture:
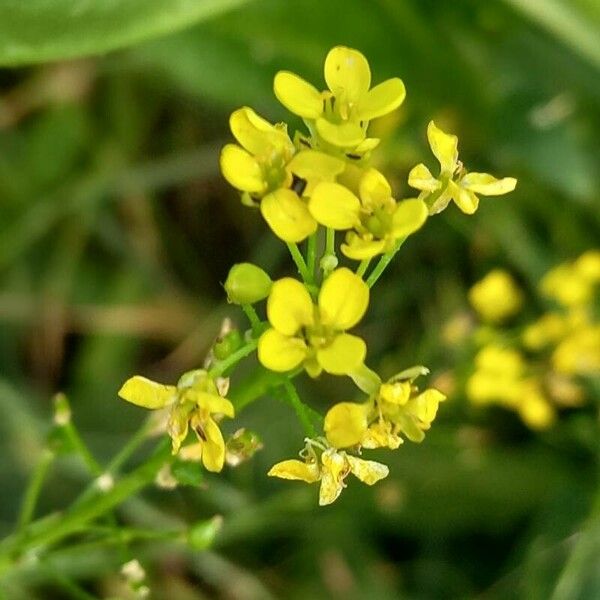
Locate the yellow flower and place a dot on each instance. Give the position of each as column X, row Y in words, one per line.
column 548, row 329
column 395, row 408
column 376, row 221
column 267, row 169
column 496, row 297
column 453, row 183
column 194, row 403
column 340, row 116
column 573, row 284
column 498, row 376
column 579, row 352
column 314, row 335
column 258, row 165
column 330, row 468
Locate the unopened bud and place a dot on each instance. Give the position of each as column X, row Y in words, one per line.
column 247, row 284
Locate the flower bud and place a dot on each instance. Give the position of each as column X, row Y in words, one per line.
column 247, row 284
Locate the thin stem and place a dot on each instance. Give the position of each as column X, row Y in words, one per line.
column 299, row 260
column 363, row 266
column 253, row 317
column 34, row 489
column 233, row 358
column 69, row 587
column 330, row 242
column 94, row 467
column 302, row 411
column 311, row 255
column 384, row 261
column 77, row 517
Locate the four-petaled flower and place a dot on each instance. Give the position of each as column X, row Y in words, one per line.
column 303, row 332
column 340, row 116
column 395, row 409
column 267, row 169
column 375, row 221
column 453, row 182
column 330, row 468
column 195, row 403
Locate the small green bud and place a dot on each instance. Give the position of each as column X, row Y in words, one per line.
column 227, row 345
column 202, row 535
column 241, row 446
column 247, row 284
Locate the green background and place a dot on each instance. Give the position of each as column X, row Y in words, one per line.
column 117, row 231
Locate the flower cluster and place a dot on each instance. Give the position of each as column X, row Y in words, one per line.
column 538, row 367
column 308, row 187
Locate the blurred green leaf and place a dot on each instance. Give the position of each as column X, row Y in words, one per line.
column 573, row 22
column 43, row 30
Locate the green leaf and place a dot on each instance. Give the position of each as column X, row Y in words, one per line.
column 44, row 30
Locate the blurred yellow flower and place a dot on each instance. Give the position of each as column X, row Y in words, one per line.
column 303, row 332
column 330, row 468
column 340, row 116
column 376, row 221
column 453, row 182
column 574, row 283
column 496, row 297
column 579, row 352
column 194, row 403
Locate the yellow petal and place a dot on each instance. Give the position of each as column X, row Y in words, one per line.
column 335, row 469
column 312, row 164
column 279, row 352
column 420, row 178
column 178, row 425
column 334, row 205
column 395, row 393
column 347, row 73
column 342, row 135
column 359, row 248
column 343, row 299
column 368, row 471
column 147, row 393
column 242, row 170
column 466, row 200
column 381, row 100
column 330, row 489
column 374, row 189
column 444, row 146
column 296, row 470
column 345, row 424
column 289, row 307
column 409, row 216
column 287, row 215
column 488, row 185
column 214, row 403
column 297, row 95
column 251, row 131
column 425, row 405
column 213, row 453
column 343, row 355
column 366, row 145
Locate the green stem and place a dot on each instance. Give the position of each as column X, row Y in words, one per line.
column 222, row 366
column 363, row 266
column 94, row 467
column 253, row 317
column 311, row 256
column 34, row 489
column 77, row 517
column 302, row 411
column 384, row 261
column 299, row 260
